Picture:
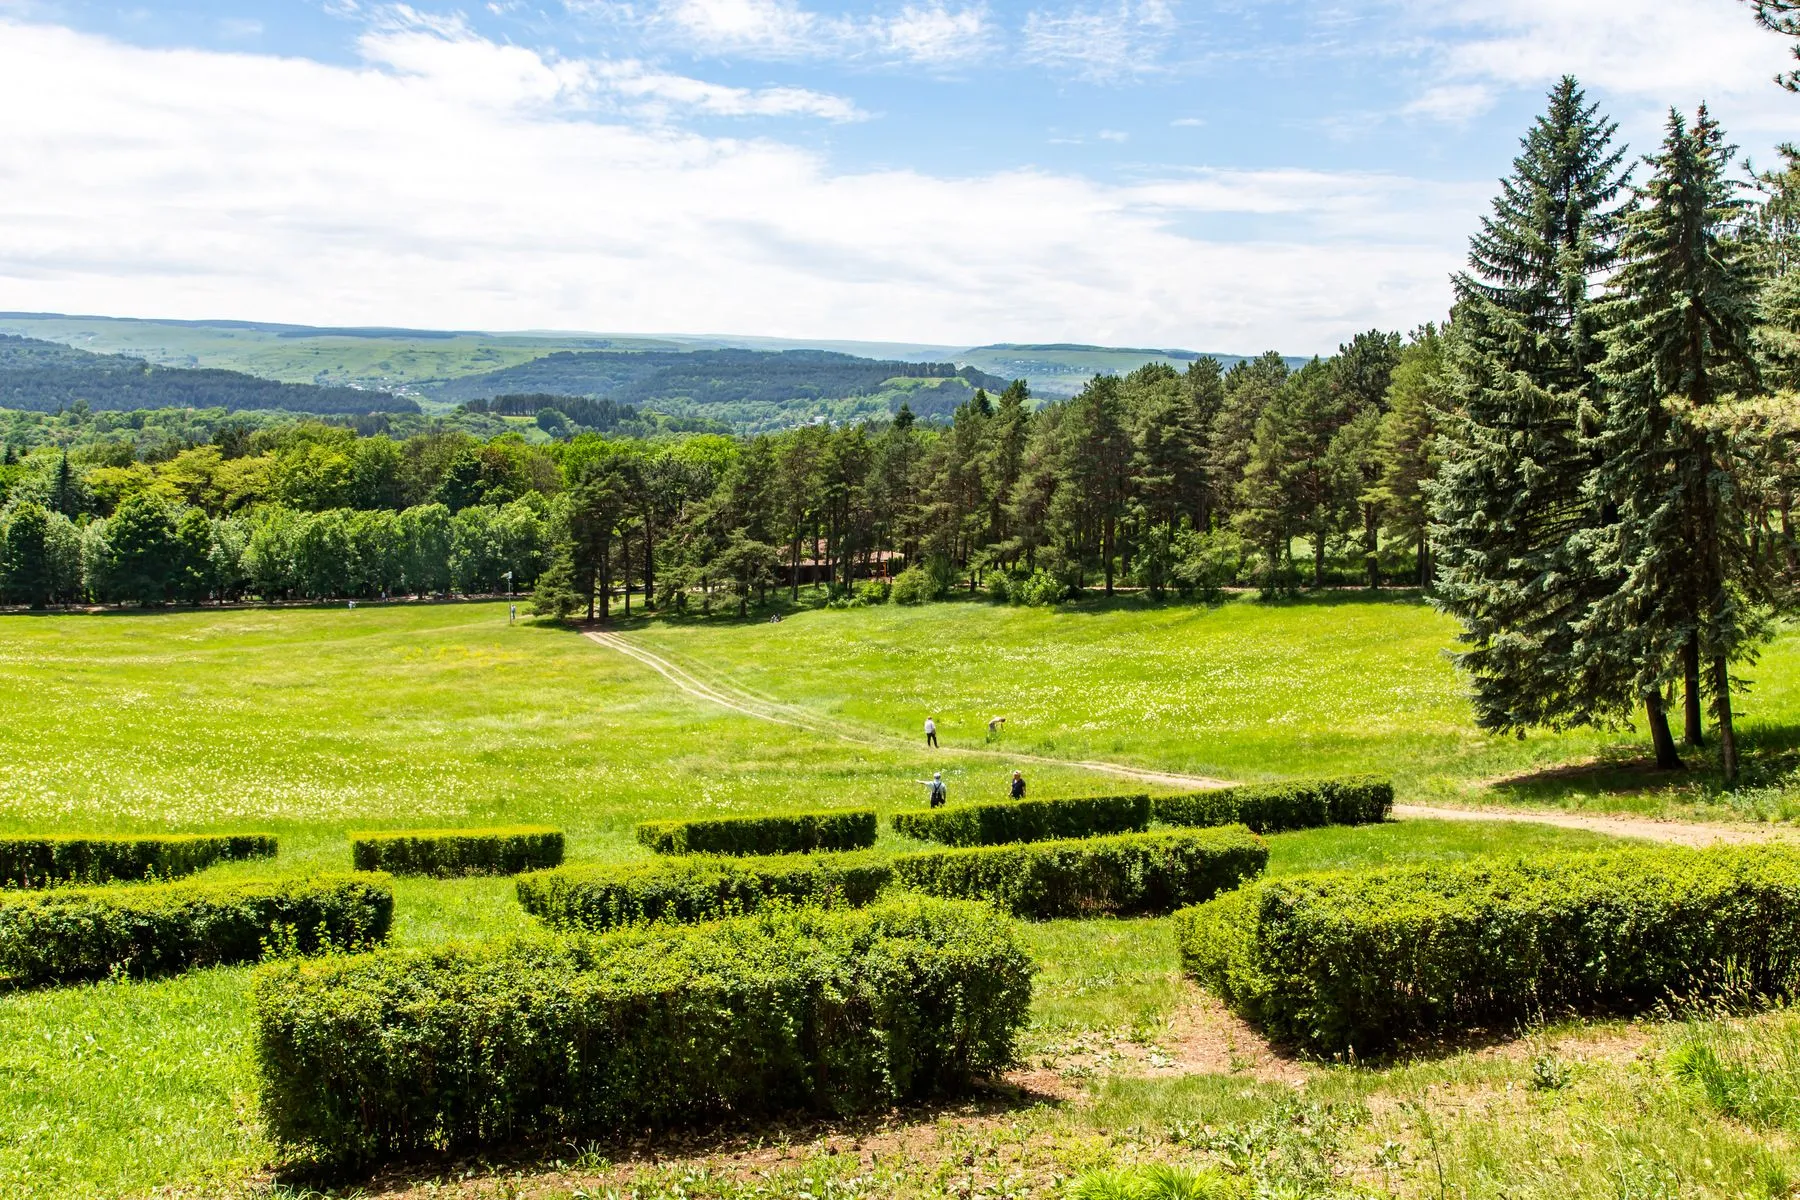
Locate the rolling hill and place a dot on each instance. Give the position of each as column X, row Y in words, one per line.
column 41, row 376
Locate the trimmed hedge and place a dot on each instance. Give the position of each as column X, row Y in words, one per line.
column 695, row 889
column 1130, row 873
column 48, row 860
column 775, row 833
column 70, row 934
column 1344, row 961
column 1273, row 807
column 505, row 851
column 839, row 1011
column 1026, row 820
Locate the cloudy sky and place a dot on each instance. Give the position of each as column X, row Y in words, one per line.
column 1229, row 175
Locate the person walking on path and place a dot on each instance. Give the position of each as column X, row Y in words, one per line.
column 931, row 733
column 1018, row 786
column 939, row 793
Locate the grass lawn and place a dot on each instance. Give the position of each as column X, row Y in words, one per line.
column 312, row 722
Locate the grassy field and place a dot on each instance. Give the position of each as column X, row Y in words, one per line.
column 1244, row 691
column 312, row 722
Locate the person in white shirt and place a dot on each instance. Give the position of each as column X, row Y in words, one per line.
column 931, row 733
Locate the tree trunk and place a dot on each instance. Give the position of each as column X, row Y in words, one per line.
column 1106, row 550
column 589, row 580
column 794, row 574
column 625, row 566
column 1318, row 561
column 1787, row 533
column 1658, row 719
column 1371, row 547
column 1424, row 561
column 605, row 584
column 1728, row 756
column 649, row 563
column 1692, row 732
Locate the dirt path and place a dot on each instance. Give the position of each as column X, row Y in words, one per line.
column 727, row 695
column 1681, row 833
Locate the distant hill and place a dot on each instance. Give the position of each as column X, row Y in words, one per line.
column 47, row 376
column 730, row 384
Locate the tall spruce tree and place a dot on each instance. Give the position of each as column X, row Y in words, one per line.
column 1682, row 313
column 1510, row 500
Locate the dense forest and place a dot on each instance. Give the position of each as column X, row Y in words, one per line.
column 40, row 376
column 1591, row 464
column 740, row 387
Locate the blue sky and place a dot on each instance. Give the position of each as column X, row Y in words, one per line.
column 1220, row 174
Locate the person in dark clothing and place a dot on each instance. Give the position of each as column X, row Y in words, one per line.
column 1018, row 786
column 939, row 793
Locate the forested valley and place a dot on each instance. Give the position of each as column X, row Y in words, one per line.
column 1591, row 463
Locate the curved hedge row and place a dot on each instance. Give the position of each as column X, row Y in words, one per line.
column 775, row 833
column 1345, row 961
column 368, row 1057
column 1025, row 820
column 71, row 934
column 1274, row 807
column 1129, row 873
column 695, row 889
column 451, row 852
column 47, row 860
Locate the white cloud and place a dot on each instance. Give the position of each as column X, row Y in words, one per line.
column 1113, row 135
column 1188, row 122
column 660, row 90
column 458, row 183
column 1100, row 45
column 931, row 34
column 1643, row 57
column 453, row 61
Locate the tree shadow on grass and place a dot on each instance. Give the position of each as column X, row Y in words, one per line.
column 1769, row 756
column 613, row 1149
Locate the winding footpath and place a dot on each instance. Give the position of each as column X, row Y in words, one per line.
column 727, row 695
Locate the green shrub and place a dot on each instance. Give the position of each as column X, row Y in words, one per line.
column 915, row 585
column 70, row 934
column 695, row 889
column 776, row 833
column 458, row 851
column 1130, row 873
column 836, row 1011
column 1040, row 589
column 44, row 861
column 1343, row 961
column 1025, row 820
column 1274, row 807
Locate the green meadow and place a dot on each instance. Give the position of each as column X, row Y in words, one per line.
column 314, row 722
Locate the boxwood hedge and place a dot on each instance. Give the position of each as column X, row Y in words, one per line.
column 1025, row 820
column 505, row 851
column 47, row 860
column 68, row 934
column 775, row 833
column 1128, row 873
column 839, row 1011
column 1357, row 961
column 1274, row 807
column 695, row 888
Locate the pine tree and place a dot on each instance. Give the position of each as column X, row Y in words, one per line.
column 1510, row 500
column 1407, row 444
column 1682, row 315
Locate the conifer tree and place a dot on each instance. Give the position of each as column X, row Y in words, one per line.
column 1682, row 315
column 1510, row 498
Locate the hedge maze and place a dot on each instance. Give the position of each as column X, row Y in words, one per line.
column 757, row 965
